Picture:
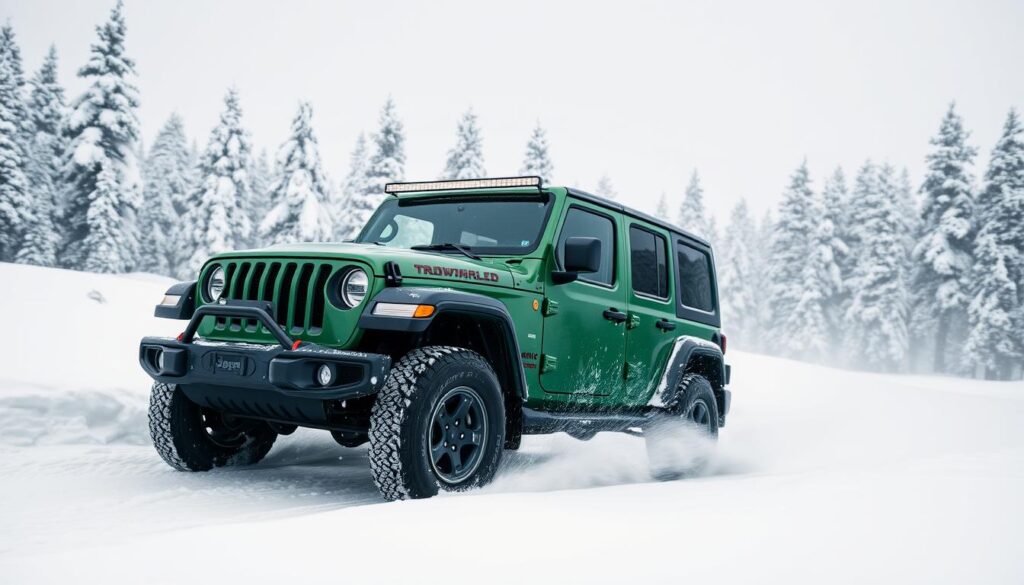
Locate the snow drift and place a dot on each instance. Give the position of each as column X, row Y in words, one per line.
column 70, row 373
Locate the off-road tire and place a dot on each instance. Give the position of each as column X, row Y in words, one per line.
column 176, row 426
column 694, row 393
column 400, row 421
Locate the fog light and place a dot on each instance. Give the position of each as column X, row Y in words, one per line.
column 160, row 360
column 324, row 375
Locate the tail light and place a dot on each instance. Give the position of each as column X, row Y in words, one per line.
column 723, row 341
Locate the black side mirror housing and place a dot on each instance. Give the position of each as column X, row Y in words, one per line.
column 581, row 255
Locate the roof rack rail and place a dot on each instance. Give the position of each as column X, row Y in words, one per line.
column 463, row 184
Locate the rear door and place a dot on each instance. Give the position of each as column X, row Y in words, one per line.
column 585, row 321
column 653, row 324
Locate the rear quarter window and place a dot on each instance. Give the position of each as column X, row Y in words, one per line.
column 697, row 296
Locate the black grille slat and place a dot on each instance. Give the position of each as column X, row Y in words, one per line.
column 238, row 291
column 284, row 294
column 229, row 272
column 316, row 318
column 253, row 286
column 301, row 301
column 268, row 287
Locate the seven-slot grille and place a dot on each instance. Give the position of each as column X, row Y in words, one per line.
column 296, row 288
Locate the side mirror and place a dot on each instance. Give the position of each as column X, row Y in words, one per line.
column 581, row 255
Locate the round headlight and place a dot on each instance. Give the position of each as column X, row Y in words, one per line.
column 215, row 284
column 353, row 288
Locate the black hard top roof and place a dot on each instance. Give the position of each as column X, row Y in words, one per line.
column 616, row 206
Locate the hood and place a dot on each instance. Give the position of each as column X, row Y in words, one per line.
column 452, row 267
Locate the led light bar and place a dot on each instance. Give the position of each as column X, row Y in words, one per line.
column 460, row 185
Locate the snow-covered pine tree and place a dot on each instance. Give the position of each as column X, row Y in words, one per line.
column 302, row 193
column 170, row 178
column 15, row 197
column 263, row 180
column 605, row 188
column 661, row 211
column 537, row 161
column 47, row 111
column 357, row 202
column 218, row 209
column 761, row 282
column 737, row 272
column 387, row 164
column 106, row 226
column 942, row 256
column 10, row 51
column 693, row 217
column 877, row 318
column 996, row 339
column 834, row 209
column 835, row 199
column 799, row 322
column 466, row 158
column 817, row 312
column 103, row 134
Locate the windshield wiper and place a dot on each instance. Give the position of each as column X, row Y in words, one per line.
column 446, row 246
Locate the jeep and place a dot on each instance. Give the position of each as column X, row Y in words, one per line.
column 465, row 315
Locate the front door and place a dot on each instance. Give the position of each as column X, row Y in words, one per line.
column 585, row 321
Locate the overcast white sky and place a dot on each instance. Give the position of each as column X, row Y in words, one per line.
column 642, row 91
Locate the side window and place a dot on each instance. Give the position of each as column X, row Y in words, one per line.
column 695, row 278
column 580, row 223
column 648, row 258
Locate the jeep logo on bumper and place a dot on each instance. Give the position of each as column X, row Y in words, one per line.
column 228, row 363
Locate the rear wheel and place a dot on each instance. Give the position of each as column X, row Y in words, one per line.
column 192, row 438
column 679, row 443
column 438, row 424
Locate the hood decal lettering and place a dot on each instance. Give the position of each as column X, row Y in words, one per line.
column 460, row 273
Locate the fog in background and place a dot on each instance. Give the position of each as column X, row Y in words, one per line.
column 644, row 92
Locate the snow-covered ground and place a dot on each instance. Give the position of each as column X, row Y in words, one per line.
column 821, row 475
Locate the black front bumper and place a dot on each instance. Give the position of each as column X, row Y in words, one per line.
column 274, row 382
column 268, row 368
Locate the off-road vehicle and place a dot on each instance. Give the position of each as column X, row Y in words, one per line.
column 465, row 315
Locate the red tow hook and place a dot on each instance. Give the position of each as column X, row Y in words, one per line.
column 296, row 345
column 181, row 336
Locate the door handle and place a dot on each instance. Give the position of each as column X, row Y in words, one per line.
column 614, row 314
column 665, row 325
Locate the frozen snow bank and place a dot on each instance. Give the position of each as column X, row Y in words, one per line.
column 69, row 372
column 70, row 330
column 42, row 415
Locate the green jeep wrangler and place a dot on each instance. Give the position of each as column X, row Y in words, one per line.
column 465, row 315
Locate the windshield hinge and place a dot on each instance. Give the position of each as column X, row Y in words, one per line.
column 392, row 275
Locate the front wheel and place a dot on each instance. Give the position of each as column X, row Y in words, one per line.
column 192, row 438
column 438, row 424
column 679, row 443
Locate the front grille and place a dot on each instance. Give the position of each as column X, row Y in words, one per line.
column 295, row 288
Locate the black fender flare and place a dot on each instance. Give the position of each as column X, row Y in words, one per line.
column 446, row 301
column 183, row 306
column 686, row 349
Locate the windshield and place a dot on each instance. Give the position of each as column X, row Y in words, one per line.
column 485, row 225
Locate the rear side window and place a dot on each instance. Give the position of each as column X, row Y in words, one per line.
column 648, row 258
column 580, row 223
column 695, row 278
